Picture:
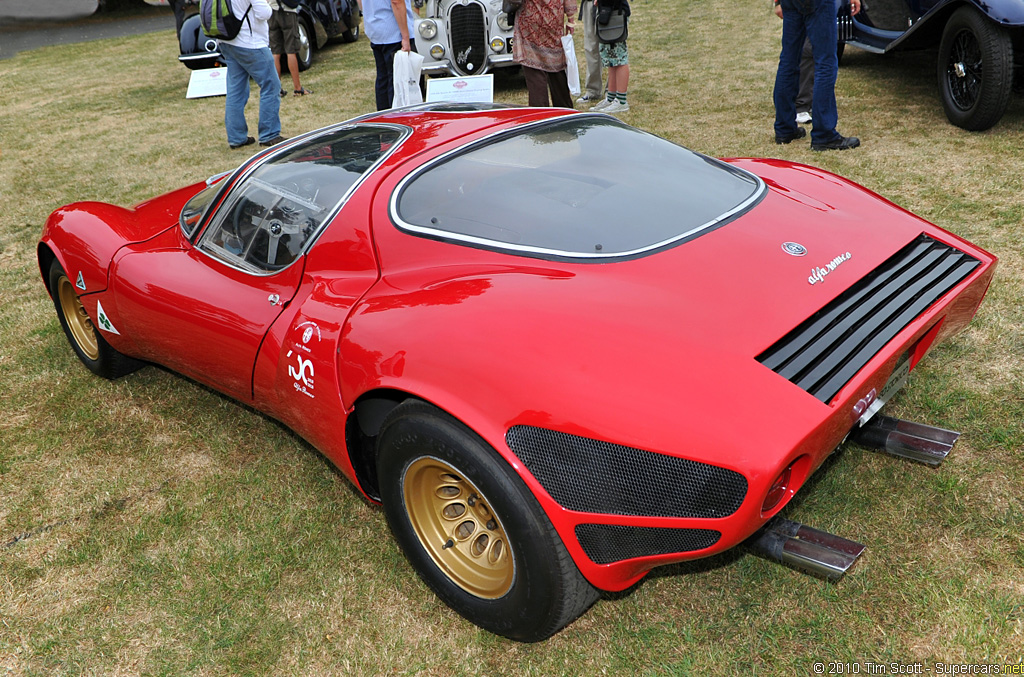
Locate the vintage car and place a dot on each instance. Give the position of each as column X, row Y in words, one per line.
column 980, row 48
column 319, row 22
column 555, row 368
column 463, row 37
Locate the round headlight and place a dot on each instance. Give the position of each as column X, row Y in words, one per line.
column 497, row 45
column 503, row 23
column 437, row 52
column 428, row 28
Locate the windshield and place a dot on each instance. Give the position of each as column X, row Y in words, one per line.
column 577, row 187
column 194, row 209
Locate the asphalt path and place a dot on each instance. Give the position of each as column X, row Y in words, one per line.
column 30, row 24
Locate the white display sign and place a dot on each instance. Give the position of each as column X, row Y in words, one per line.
column 472, row 89
column 207, row 82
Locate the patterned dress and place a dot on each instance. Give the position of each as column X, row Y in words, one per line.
column 540, row 25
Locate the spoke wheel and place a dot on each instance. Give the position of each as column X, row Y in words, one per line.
column 79, row 324
column 454, row 522
column 964, row 70
column 975, row 70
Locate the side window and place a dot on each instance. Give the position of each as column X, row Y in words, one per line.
column 272, row 215
column 266, row 227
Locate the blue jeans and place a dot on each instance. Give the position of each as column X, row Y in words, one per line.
column 258, row 64
column 813, row 20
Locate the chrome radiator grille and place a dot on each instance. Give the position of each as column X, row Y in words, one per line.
column 468, row 35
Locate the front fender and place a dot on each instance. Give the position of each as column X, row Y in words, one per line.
column 319, row 33
column 84, row 237
column 927, row 30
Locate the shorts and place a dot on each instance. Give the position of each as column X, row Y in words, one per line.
column 614, row 54
column 284, row 32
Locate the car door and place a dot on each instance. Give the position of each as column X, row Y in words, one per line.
column 886, row 15
column 201, row 299
column 203, row 309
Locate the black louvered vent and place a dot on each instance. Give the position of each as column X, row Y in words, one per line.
column 468, row 33
column 824, row 353
column 607, row 543
column 593, row 476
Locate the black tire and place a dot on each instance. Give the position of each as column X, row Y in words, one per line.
column 975, row 70
column 305, row 53
column 94, row 352
column 472, row 529
column 352, row 34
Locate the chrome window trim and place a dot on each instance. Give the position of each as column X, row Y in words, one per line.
column 404, row 131
column 760, row 188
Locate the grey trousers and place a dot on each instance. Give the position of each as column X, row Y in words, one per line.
column 803, row 97
column 591, row 51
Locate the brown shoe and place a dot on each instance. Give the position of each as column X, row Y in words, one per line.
column 273, row 142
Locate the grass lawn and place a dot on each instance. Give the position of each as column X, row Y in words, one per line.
column 152, row 526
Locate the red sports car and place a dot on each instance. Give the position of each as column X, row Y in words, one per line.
column 560, row 351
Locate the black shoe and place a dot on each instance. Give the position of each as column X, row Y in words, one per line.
column 273, row 142
column 248, row 142
column 798, row 134
column 840, row 143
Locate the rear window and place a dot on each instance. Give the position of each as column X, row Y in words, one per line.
column 580, row 187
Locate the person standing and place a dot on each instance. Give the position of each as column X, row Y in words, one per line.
column 540, row 25
column 248, row 55
column 813, row 20
column 178, row 7
column 615, row 56
column 804, row 95
column 388, row 25
column 592, row 87
column 284, row 40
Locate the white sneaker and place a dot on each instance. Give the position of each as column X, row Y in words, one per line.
column 616, row 107
column 803, row 118
column 586, row 98
column 601, row 105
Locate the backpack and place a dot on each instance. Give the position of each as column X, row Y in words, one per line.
column 511, row 8
column 219, row 21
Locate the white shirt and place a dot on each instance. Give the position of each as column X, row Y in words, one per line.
column 255, row 32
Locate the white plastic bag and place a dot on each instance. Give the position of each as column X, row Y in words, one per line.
column 572, row 69
column 407, row 79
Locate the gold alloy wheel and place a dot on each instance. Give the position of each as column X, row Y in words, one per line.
column 77, row 319
column 454, row 522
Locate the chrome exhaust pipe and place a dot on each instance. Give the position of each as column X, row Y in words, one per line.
column 914, row 441
column 806, row 549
